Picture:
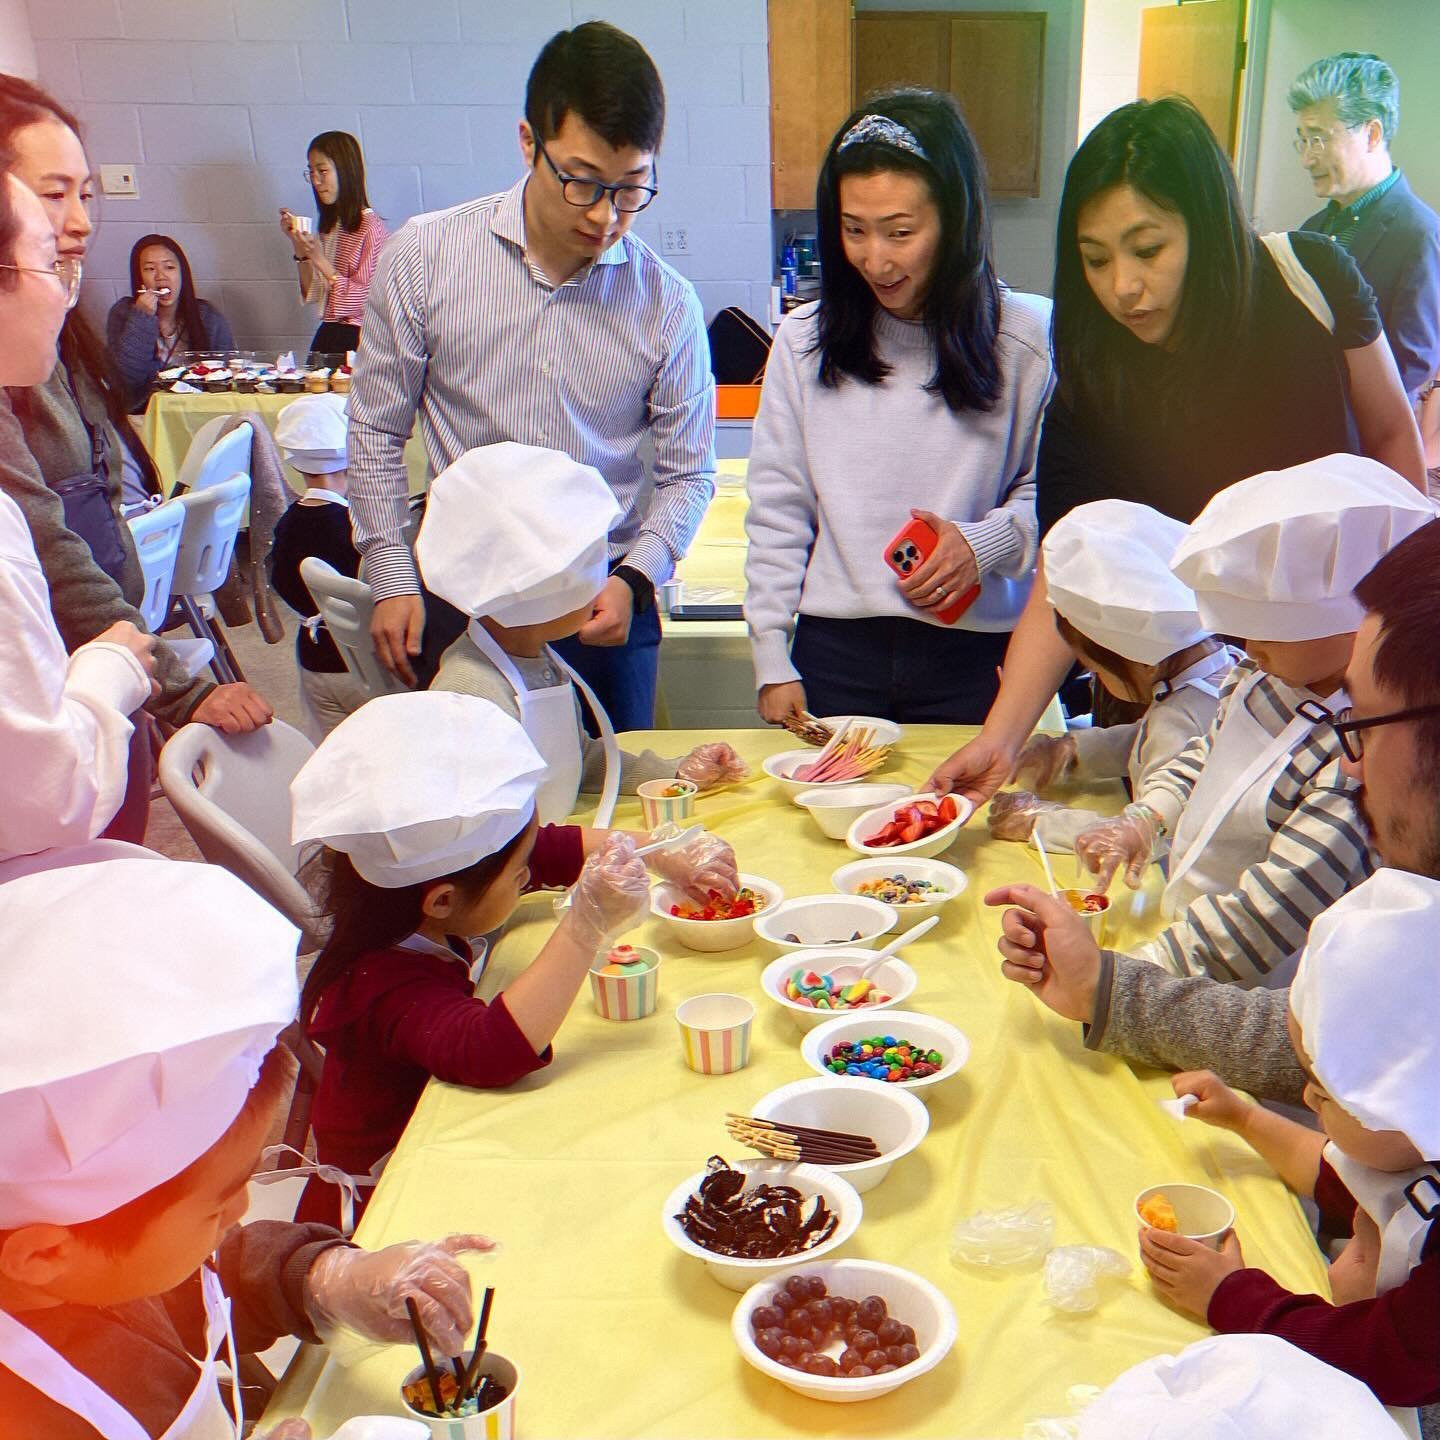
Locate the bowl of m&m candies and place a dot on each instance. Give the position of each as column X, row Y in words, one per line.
column 844, row 1330
column 717, row 922
column 906, row 1048
column 813, row 986
column 915, row 888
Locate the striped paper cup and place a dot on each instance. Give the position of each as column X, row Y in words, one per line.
column 494, row 1423
column 657, row 807
column 627, row 997
column 715, row 1033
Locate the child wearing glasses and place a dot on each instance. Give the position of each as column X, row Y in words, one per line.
column 1263, row 828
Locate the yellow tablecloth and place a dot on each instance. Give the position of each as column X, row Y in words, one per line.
column 620, row 1335
column 170, row 421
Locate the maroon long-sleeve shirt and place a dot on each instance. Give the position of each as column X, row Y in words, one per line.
column 1391, row 1342
column 396, row 1018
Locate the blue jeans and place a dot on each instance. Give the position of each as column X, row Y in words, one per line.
column 624, row 677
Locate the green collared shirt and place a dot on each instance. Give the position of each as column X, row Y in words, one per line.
column 1342, row 221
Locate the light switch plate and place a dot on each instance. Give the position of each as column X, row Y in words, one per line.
column 674, row 240
column 118, row 182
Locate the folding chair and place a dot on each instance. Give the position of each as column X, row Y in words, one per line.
column 156, row 533
column 345, row 605
column 213, row 516
column 210, row 460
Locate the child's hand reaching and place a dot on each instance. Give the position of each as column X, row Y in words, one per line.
column 610, row 895
column 707, row 864
column 1216, row 1103
column 1187, row 1273
column 712, row 764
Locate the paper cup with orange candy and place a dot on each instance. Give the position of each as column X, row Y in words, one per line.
column 1194, row 1211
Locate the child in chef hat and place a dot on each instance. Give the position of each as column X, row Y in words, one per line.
column 1365, row 1022
column 517, row 538
column 426, row 804
column 312, row 433
column 139, row 1079
column 1134, row 625
column 1263, row 829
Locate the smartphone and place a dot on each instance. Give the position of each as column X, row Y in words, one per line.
column 909, row 550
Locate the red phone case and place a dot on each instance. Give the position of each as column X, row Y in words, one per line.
column 909, row 550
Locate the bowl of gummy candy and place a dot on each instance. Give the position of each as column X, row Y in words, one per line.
column 915, row 888
column 813, row 986
column 914, row 1051
column 844, row 1330
column 718, row 923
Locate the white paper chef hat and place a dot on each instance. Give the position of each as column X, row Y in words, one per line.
column 517, row 533
column 418, row 785
column 1367, row 999
column 1237, row 1387
column 137, row 1000
column 313, row 432
column 1277, row 556
column 1107, row 571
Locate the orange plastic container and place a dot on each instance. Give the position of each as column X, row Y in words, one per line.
column 736, row 402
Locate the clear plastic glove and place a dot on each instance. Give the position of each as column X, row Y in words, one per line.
column 712, row 764
column 1073, row 1274
column 1016, row 1235
column 366, row 1290
column 1013, row 814
column 1128, row 839
column 706, row 865
column 1045, row 760
column 611, row 894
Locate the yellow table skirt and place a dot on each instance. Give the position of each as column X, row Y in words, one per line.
column 619, row 1335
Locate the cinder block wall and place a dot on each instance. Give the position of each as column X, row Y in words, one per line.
column 214, row 101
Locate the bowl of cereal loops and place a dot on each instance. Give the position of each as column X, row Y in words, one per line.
column 813, row 986
column 895, row 1047
column 809, row 922
column 844, row 1330
column 718, row 923
column 915, row 887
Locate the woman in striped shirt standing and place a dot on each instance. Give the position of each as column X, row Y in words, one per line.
column 337, row 263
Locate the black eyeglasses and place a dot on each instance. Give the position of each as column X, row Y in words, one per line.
column 582, row 193
column 1350, row 731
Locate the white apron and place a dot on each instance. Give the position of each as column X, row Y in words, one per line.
column 1402, row 1206
column 1222, row 829
column 548, row 717
column 203, row 1417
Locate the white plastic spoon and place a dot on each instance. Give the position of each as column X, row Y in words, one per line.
column 881, row 956
column 674, row 842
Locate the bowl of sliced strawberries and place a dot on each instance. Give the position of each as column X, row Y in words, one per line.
column 922, row 825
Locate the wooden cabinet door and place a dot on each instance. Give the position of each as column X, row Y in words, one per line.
column 907, row 49
column 997, row 72
column 811, row 84
column 1196, row 50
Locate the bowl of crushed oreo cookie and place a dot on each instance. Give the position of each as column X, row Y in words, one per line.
column 755, row 1218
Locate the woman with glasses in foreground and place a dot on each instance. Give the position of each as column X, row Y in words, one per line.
column 337, row 261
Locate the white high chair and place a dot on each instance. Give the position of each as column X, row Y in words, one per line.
column 209, row 459
column 156, row 533
column 213, row 516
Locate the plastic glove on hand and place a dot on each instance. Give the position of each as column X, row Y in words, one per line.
column 1013, row 814
column 366, row 1290
column 611, row 894
column 707, row 864
column 1045, row 760
column 711, row 764
column 1128, row 839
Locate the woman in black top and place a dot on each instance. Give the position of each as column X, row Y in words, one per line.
column 1186, row 360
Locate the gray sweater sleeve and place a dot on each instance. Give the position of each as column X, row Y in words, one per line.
column 1191, row 1022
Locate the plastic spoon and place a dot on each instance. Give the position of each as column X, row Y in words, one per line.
column 683, row 838
column 881, row 956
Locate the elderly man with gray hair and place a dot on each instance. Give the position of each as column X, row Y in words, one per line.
column 1347, row 110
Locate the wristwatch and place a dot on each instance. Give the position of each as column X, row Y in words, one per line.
column 640, row 586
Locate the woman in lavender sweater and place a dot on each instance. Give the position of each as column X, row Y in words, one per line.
column 912, row 390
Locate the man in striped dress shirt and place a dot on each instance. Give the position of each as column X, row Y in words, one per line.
column 533, row 316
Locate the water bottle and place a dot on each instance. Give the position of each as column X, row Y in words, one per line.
column 789, row 272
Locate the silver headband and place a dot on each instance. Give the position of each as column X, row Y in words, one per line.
column 881, row 129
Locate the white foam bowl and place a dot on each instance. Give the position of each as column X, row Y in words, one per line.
column 781, row 768
column 903, row 1025
column 894, row 977
column 821, row 920
column 895, row 1121
column 840, row 1197
column 835, row 809
column 872, row 822
column 713, row 935
column 913, row 1300
column 884, row 732
column 848, row 879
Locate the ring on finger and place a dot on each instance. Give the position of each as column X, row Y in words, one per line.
column 941, row 592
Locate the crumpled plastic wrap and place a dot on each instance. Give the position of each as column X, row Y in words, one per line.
column 1073, row 1274
column 1017, row 1235
column 1062, row 1427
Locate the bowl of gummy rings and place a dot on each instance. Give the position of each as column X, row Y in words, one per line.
column 813, row 986
column 844, row 1330
column 895, row 1047
column 718, row 923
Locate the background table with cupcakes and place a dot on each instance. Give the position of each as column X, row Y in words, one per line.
column 618, row 1333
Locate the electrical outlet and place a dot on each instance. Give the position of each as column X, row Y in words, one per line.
column 674, row 240
column 118, row 181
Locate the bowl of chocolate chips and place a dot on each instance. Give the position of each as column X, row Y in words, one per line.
column 755, row 1218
